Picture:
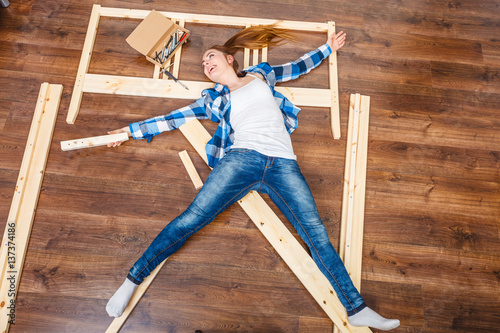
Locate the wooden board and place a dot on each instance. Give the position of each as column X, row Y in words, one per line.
column 353, row 201
column 94, row 141
column 188, row 164
column 334, row 88
column 25, row 199
column 83, row 67
column 150, row 87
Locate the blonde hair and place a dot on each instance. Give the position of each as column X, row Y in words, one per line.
column 256, row 37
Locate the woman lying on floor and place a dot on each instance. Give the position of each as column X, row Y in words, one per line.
column 250, row 151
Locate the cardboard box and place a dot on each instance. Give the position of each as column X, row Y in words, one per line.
column 158, row 38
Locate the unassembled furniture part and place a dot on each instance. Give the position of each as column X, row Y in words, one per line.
column 154, row 87
column 353, row 201
column 94, row 141
column 188, row 164
column 24, row 202
column 290, row 250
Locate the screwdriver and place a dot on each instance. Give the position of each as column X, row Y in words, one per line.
column 170, row 75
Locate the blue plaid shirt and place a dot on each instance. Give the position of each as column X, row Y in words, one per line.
column 215, row 104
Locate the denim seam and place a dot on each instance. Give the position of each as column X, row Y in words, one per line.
column 191, row 233
column 315, row 249
column 264, row 172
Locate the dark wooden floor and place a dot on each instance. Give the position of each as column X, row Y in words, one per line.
column 431, row 250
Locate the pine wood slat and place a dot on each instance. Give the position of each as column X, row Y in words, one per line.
column 94, row 141
column 22, row 212
column 215, row 19
column 88, row 46
column 134, row 86
column 193, row 174
column 353, row 200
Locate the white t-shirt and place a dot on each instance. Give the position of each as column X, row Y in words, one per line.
column 257, row 121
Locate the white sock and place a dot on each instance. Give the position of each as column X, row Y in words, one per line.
column 120, row 299
column 368, row 317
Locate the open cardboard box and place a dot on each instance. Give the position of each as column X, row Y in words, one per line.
column 152, row 36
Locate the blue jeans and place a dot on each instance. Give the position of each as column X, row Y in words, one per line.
column 241, row 171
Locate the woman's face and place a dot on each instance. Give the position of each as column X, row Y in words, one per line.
column 215, row 63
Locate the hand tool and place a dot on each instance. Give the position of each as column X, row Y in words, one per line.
column 170, row 75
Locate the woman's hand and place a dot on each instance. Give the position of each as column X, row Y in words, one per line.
column 125, row 129
column 336, row 41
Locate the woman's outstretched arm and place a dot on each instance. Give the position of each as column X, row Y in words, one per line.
column 151, row 127
column 303, row 65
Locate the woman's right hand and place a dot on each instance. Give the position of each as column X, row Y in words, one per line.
column 125, row 129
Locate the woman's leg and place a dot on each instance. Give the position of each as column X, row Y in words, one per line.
column 231, row 179
column 288, row 189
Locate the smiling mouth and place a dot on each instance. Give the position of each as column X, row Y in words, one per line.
column 211, row 69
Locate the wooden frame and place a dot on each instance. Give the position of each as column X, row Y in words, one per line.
column 353, row 201
column 25, row 199
column 290, row 250
column 155, row 87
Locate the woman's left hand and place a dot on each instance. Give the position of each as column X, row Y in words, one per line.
column 336, row 41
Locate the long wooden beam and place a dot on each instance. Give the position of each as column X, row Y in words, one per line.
column 299, row 261
column 83, row 67
column 353, row 202
column 215, row 19
column 334, row 88
column 150, row 87
column 25, row 199
column 94, row 141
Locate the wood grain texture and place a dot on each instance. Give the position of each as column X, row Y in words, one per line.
column 432, row 196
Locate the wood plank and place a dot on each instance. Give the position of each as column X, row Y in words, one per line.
column 95, row 141
column 21, row 215
column 83, row 67
column 351, row 239
column 334, row 88
column 353, row 199
column 215, row 19
column 133, row 86
column 193, row 174
column 255, row 57
column 177, row 57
